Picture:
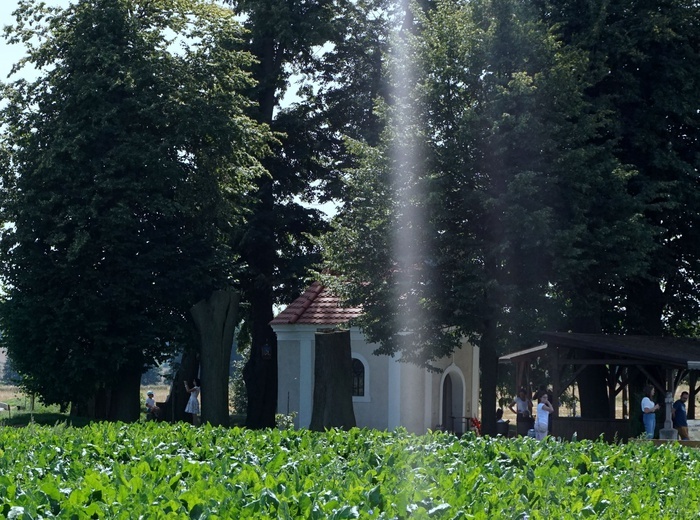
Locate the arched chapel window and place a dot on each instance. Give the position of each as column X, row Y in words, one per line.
column 358, row 378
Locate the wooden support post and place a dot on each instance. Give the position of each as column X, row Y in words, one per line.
column 693, row 391
column 612, row 383
column 625, row 396
column 556, row 378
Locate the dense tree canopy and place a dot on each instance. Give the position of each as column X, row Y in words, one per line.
column 528, row 205
column 123, row 170
column 503, row 167
column 645, row 70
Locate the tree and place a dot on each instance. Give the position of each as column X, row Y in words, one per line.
column 123, row 167
column 508, row 156
column 280, row 35
column 215, row 319
column 643, row 65
column 277, row 244
column 644, row 59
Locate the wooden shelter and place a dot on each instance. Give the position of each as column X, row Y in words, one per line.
column 568, row 354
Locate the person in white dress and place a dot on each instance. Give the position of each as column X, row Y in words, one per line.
column 544, row 408
column 193, row 402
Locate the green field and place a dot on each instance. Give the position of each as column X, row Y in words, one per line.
column 150, row 470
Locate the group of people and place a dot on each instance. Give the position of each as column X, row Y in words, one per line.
column 522, row 408
column 153, row 411
column 679, row 414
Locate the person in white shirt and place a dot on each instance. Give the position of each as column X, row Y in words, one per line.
column 152, row 410
column 649, row 411
column 544, row 408
column 522, row 408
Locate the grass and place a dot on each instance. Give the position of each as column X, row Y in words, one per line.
column 22, row 412
column 12, row 395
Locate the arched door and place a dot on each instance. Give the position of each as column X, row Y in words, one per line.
column 447, row 421
column 453, row 402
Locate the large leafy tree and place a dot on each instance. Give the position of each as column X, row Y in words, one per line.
column 123, row 168
column 510, row 179
column 643, row 64
column 643, row 74
column 332, row 51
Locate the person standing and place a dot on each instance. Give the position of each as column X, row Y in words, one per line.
column 680, row 417
column 649, row 409
column 522, row 408
column 544, row 408
column 193, row 402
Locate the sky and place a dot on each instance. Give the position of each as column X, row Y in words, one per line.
column 8, row 53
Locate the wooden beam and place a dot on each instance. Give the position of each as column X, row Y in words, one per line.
column 614, row 362
column 625, row 396
column 624, row 381
column 612, row 383
column 693, row 391
column 654, row 381
column 680, row 375
column 571, row 380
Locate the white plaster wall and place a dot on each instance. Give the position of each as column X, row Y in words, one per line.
column 296, row 357
column 295, row 361
column 288, row 377
column 372, row 411
column 413, row 397
column 398, row 394
column 462, row 364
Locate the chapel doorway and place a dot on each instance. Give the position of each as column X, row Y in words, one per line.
column 452, row 410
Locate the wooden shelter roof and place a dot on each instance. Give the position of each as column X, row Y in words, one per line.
column 568, row 354
column 683, row 353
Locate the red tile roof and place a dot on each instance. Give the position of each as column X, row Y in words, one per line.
column 317, row 306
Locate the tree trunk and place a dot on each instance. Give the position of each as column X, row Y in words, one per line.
column 260, row 371
column 120, row 402
column 592, row 385
column 488, row 363
column 260, row 248
column 645, row 304
column 592, row 382
column 332, row 407
column 125, row 396
column 174, row 408
column 215, row 320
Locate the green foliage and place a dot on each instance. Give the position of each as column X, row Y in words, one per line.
column 644, row 70
column 123, row 170
column 238, row 399
column 159, row 471
column 549, row 150
column 285, row 421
